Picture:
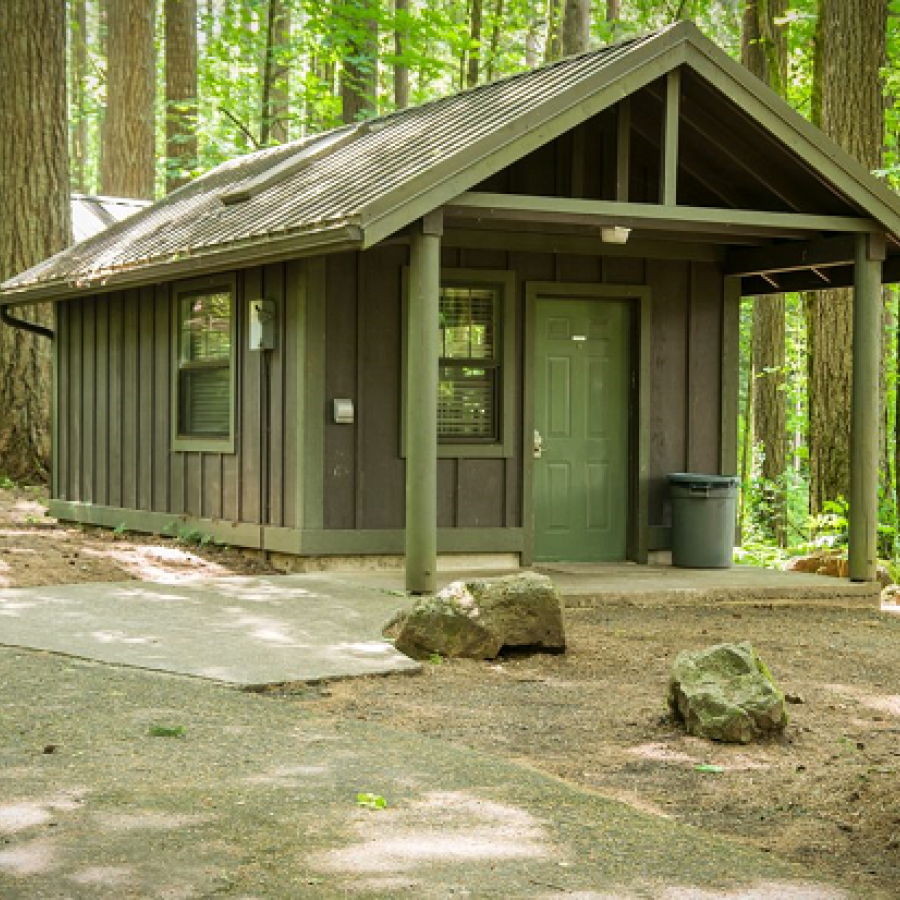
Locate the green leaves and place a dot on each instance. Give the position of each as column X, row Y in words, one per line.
column 371, row 801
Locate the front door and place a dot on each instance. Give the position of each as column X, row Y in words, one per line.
column 581, row 430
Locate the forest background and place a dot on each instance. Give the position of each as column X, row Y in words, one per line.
column 135, row 97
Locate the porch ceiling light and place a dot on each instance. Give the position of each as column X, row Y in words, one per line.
column 614, row 234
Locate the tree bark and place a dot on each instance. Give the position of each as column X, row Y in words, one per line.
column 181, row 91
column 851, row 41
column 77, row 77
column 128, row 135
column 553, row 44
column 359, row 68
column 613, row 10
column 576, row 32
column 495, row 41
column 475, row 22
column 34, row 192
column 401, row 66
column 764, row 53
column 275, row 93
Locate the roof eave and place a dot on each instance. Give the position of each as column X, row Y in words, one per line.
column 326, row 240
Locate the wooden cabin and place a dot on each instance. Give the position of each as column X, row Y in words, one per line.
column 491, row 325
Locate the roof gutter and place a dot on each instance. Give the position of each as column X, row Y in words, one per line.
column 8, row 319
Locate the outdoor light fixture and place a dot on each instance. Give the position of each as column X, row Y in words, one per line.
column 614, row 234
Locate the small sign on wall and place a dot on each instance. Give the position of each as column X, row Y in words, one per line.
column 262, row 324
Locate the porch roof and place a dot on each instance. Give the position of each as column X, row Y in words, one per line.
column 354, row 186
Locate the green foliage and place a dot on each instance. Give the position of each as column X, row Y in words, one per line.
column 167, row 731
column 371, row 801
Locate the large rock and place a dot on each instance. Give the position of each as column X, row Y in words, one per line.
column 478, row 618
column 726, row 693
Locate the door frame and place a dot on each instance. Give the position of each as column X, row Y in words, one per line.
column 639, row 300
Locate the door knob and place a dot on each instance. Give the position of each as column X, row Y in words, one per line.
column 538, row 444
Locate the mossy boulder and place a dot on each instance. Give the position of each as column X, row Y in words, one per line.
column 478, row 618
column 726, row 693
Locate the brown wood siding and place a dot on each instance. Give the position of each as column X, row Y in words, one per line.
column 363, row 468
column 114, row 373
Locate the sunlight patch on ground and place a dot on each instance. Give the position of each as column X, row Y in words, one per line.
column 442, row 827
column 660, row 753
column 287, row 776
column 25, row 814
column 33, row 858
column 162, row 565
column 880, row 703
column 120, row 637
column 103, row 876
column 771, row 891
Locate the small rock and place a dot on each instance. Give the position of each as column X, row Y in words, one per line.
column 726, row 693
column 795, row 699
column 478, row 618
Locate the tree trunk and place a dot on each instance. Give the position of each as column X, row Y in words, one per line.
column 576, row 32
column 474, row 64
column 77, row 77
column 181, row 92
column 764, row 53
column 613, row 10
column 851, row 44
column 401, row 66
column 553, row 44
column 359, row 72
column 495, row 41
column 128, row 138
column 275, row 95
column 34, row 182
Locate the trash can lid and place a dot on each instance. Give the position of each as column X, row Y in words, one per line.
column 696, row 479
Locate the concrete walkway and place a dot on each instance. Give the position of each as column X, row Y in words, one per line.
column 252, row 632
column 243, row 631
column 258, row 799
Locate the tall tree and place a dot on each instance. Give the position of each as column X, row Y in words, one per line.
column 401, row 66
column 77, row 91
column 576, row 31
column 553, row 40
column 476, row 17
column 181, row 91
column 850, row 49
column 34, row 181
column 764, row 52
column 359, row 69
column 128, row 136
column 275, row 96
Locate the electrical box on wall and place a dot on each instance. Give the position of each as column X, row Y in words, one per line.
column 343, row 412
column 262, row 324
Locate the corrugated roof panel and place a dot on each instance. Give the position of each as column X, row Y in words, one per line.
column 332, row 188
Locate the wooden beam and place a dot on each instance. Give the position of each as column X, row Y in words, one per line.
column 808, row 280
column 519, row 207
column 623, row 149
column 668, row 188
column 864, row 424
column 795, row 256
column 422, row 351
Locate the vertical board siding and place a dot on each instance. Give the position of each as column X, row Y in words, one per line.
column 273, row 289
column 115, row 359
column 341, row 382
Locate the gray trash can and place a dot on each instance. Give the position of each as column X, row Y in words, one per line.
column 703, row 509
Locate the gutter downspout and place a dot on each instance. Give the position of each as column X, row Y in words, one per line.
column 8, row 319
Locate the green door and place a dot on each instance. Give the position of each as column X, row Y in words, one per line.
column 581, row 425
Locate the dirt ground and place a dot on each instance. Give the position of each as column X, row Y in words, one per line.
column 36, row 550
column 826, row 795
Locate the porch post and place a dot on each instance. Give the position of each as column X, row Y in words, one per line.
column 864, row 416
column 422, row 353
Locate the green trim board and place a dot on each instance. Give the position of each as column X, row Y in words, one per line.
column 212, row 283
column 295, row 294
column 535, row 208
column 731, row 362
column 302, row 542
column 640, row 297
column 506, row 280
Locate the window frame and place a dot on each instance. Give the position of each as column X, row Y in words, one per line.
column 503, row 282
column 225, row 283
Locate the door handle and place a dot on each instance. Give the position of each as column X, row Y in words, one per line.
column 538, row 444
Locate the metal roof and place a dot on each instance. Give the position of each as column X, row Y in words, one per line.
column 354, row 186
column 91, row 214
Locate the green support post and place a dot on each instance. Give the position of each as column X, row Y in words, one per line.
column 870, row 253
column 423, row 332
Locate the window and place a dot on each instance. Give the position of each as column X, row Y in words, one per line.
column 469, row 365
column 204, row 380
column 476, row 365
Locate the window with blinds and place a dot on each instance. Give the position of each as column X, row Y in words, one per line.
column 204, row 364
column 469, row 365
